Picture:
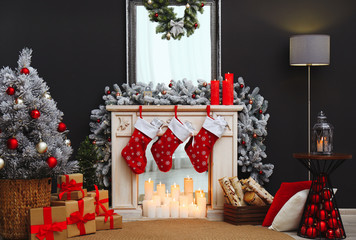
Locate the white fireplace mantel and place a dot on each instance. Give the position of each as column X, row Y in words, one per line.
column 223, row 159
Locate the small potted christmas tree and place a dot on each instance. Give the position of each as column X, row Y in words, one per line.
column 33, row 144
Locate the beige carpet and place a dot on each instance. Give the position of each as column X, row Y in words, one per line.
column 186, row 229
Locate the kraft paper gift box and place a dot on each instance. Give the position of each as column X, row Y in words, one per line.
column 80, row 216
column 101, row 200
column 48, row 223
column 109, row 220
column 73, row 195
column 66, row 184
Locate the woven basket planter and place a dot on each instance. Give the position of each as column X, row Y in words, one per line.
column 17, row 196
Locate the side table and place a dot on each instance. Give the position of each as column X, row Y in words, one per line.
column 321, row 217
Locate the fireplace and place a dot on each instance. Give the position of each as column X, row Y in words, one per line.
column 223, row 159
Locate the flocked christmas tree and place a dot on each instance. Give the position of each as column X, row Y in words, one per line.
column 33, row 137
column 252, row 119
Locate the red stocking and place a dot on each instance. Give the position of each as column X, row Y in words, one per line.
column 134, row 152
column 199, row 149
column 163, row 149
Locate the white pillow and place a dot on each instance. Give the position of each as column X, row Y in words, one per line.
column 288, row 218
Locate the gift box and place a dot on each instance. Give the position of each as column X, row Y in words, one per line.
column 66, row 184
column 73, row 195
column 80, row 216
column 109, row 220
column 101, row 200
column 48, row 223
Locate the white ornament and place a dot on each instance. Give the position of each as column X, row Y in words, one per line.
column 187, row 6
column 168, row 36
column 41, row 147
column 19, row 101
column 149, row 2
column 47, row 95
column 67, row 142
column 2, row 163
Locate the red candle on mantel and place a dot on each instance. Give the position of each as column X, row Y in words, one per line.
column 228, row 93
column 229, row 77
column 214, row 92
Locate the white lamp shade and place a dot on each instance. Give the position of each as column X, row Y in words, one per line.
column 313, row 50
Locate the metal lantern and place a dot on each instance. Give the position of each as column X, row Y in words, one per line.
column 147, row 92
column 322, row 141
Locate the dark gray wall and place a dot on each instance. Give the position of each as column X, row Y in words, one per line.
column 79, row 48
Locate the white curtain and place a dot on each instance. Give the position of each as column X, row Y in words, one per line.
column 160, row 60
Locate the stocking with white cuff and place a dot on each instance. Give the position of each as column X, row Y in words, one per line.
column 199, row 147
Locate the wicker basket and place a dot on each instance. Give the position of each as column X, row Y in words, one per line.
column 17, row 196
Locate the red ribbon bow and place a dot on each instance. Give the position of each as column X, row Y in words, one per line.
column 110, row 214
column 79, row 218
column 99, row 202
column 46, row 230
column 68, row 187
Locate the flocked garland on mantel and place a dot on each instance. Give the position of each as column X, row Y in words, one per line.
column 252, row 122
column 168, row 22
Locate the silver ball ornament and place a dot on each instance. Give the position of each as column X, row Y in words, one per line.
column 2, row 163
column 67, row 142
column 41, row 147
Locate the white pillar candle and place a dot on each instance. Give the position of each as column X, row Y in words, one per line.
column 174, row 208
column 175, row 191
column 190, row 197
column 145, row 208
column 197, row 212
column 161, row 189
column 183, row 200
column 165, row 211
column 198, row 194
column 157, row 200
column 158, row 212
column 188, row 185
column 167, row 199
column 202, row 205
column 191, row 209
column 183, row 211
column 148, row 189
column 151, row 209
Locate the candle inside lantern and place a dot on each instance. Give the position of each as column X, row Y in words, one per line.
column 174, row 208
column 320, row 144
column 214, row 92
column 175, row 191
column 148, row 189
column 228, row 89
column 161, row 188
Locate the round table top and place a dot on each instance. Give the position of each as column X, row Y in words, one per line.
column 334, row 156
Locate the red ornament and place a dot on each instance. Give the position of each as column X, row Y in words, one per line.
column 303, row 230
column 109, row 139
column 35, row 114
column 202, row 4
column 332, row 223
column 156, row 15
column 25, row 71
column 254, row 135
column 322, row 226
column 243, row 142
column 193, row 95
column 108, row 92
column 195, row 25
column 10, row 91
column 312, row 209
column 98, row 120
column 322, row 214
column 241, row 86
column 170, row 85
column 311, row 232
column 260, row 111
column 52, row 162
column 164, row 92
column 334, row 213
column 326, row 194
column 61, row 127
column 330, row 234
column 309, row 221
column 339, row 233
column 315, row 198
column 12, row 143
column 205, row 84
column 250, row 102
column 94, row 142
column 260, row 172
column 137, row 94
column 328, row 206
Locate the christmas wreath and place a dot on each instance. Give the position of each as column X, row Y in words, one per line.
column 168, row 22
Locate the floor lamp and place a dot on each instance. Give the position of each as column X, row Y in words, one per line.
column 309, row 50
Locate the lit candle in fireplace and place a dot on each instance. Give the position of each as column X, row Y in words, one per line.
column 161, row 189
column 174, row 208
column 188, row 188
column 167, row 199
column 183, row 211
column 148, row 189
column 175, row 191
column 198, row 193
